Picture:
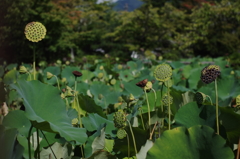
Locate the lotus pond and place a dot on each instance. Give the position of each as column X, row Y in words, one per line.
column 138, row 109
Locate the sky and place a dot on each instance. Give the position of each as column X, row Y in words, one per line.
column 99, row 1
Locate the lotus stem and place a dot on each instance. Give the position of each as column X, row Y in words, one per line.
column 169, row 111
column 217, row 122
column 57, row 81
column 149, row 123
column 153, row 130
column 128, row 145
column 133, row 137
column 155, row 96
column 34, row 65
column 29, row 143
column 142, row 118
column 48, row 144
column 38, row 145
column 238, row 151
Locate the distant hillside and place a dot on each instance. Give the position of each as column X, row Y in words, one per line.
column 128, row 5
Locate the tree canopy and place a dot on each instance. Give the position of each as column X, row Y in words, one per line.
column 171, row 28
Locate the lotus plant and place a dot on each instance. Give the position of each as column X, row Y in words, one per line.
column 208, row 75
column 35, row 32
column 163, row 73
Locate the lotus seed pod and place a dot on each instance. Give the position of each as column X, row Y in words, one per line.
column 77, row 73
column 200, row 97
column 113, row 81
column 119, row 67
column 166, row 99
column 232, row 72
column 101, row 67
column 75, row 121
column 119, row 119
column 100, row 75
column 163, row 72
column 210, row 73
column 35, row 31
column 121, row 133
column 23, row 69
column 238, row 100
column 148, row 86
column 49, row 75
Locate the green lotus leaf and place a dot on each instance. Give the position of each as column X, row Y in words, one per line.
column 67, row 73
column 198, row 142
column 94, row 121
column 227, row 89
column 17, row 119
column 10, row 77
column 55, row 71
column 190, row 115
column 87, row 104
column 102, row 155
column 9, row 148
column 121, row 144
column 109, row 97
column 11, row 66
column 231, row 121
column 43, row 104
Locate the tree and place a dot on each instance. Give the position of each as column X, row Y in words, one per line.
column 55, row 15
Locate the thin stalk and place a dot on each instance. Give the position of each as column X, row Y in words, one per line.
column 142, row 119
column 149, row 123
column 217, row 122
column 48, row 144
column 238, row 151
column 57, row 81
column 79, row 115
column 34, row 63
column 67, row 103
column 151, row 134
column 169, row 111
column 155, row 96
column 128, row 145
column 161, row 97
column 38, row 145
column 29, row 76
column 29, row 143
column 81, row 147
column 133, row 137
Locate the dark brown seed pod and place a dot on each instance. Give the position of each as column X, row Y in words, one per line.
column 210, row 73
column 77, row 73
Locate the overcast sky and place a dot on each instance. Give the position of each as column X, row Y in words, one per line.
column 99, row 1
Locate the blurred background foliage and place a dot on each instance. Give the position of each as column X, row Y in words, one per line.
column 172, row 28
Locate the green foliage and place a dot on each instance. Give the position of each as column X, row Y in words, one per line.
column 196, row 142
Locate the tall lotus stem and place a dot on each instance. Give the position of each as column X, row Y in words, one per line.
column 208, row 75
column 133, row 137
column 216, row 91
column 169, row 111
column 35, row 32
column 149, row 117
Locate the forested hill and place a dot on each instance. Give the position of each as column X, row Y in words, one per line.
column 128, row 5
